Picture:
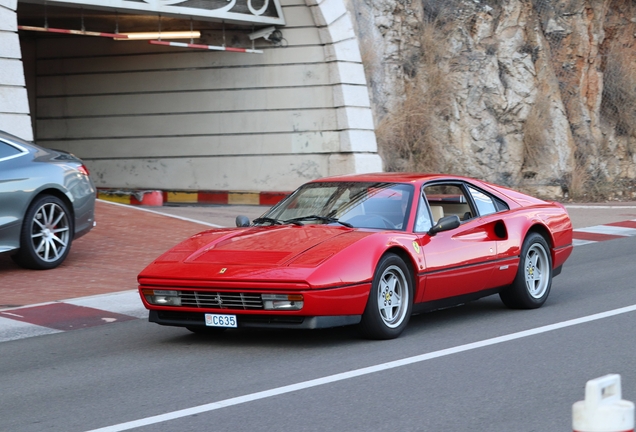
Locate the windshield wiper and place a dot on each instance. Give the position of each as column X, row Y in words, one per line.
column 320, row 218
column 267, row 219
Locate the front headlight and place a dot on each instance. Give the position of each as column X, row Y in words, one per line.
column 282, row 301
column 162, row 297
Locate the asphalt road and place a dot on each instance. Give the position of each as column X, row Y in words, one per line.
column 446, row 372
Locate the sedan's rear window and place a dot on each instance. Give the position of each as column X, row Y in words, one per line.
column 8, row 151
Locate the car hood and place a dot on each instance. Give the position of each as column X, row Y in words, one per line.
column 287, row 252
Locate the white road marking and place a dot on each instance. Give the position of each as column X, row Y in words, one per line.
column 123, row 302
column 12, row 314
column 577, row 242
column 11, row 329
column 359, row 372
column 608, row 229
column 162, row 214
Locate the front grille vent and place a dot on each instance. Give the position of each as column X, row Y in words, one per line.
column 221, row 300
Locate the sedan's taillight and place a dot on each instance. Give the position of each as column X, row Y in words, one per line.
column 83, row 170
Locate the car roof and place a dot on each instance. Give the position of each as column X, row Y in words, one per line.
column 394, row 177
column 512, row 197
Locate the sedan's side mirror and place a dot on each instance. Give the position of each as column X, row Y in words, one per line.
column 242, row 221
column 444, row 224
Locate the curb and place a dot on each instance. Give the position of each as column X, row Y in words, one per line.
column 71, row 314
column 610, row 231
column 159, row 197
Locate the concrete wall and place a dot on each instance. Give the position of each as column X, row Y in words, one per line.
column 14, row 106
column 143, row 116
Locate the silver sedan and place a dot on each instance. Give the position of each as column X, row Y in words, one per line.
column 47, row 200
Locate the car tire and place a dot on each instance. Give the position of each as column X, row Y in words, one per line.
column 207, row 331
column 532, row 284
column 47, row 234
column 390, row 300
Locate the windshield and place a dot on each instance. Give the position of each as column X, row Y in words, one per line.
column 358, row 204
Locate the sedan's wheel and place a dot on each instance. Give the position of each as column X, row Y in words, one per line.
column 532, row 284
column 47, row 233
column 389, row 306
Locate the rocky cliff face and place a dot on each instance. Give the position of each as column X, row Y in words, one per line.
column 538, row 95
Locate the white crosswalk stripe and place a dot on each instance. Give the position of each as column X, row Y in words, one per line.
column 577, row 242
column 608, row 229
column 125, row 303
column 13, row 330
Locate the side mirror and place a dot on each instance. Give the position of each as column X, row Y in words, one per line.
column 444, row 224
column 242, row 221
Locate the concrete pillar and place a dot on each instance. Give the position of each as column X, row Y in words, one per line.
column 14, row 104
column 358, row 146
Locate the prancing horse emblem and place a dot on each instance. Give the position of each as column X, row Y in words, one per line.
column 223, row 270
column 217, row 300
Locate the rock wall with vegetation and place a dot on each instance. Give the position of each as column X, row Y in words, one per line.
column 538, row 95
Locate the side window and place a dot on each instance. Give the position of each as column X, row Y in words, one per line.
column 447, row 200
column 485, row 203
column 7, row 151
column 423, row 217
column 501, row 205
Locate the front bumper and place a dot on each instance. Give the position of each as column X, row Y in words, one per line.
column 332, row 302
column 197, row 319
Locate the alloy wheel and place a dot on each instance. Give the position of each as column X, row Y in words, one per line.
column 536, row 270
column 393, row 296
column 50, row 232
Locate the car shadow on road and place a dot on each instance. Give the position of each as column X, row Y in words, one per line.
column 419, row 324
column 275, row 337
column 426, row 325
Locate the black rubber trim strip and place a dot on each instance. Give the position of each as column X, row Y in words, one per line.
column 499, row 260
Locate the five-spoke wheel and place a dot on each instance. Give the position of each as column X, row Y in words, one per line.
column 389, row 305
column 532, row 284
column 392, row 296
column 536, row 270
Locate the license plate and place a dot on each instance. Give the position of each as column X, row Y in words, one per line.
column 217, row 320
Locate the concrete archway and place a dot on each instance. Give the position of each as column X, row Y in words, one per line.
column 165, row 118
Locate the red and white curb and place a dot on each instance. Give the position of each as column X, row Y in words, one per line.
column 74, row 314
column 161, row 197
column 611, row 231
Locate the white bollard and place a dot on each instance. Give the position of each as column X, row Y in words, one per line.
column 603, row 410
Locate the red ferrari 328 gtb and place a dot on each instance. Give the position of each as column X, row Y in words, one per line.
column 366, row 249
